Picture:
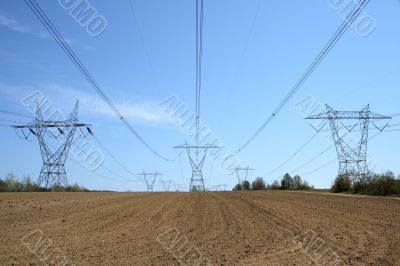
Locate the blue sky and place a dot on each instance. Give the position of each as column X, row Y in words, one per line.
column 254, row 51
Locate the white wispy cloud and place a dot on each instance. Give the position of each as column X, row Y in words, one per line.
column 12, row 24
column 15, row 25
column 90, row 104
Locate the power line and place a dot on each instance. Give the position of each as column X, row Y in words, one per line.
column 181, row 169
column 328, row 148
column 319, row 168
column 392, row 130
column 122, row 179
column 46, row 22
column 394, row 125
column 241, row 57
column 313, row 159
column 395, row 115
column 81, row 151
column 99, row 174
column 53, row 169
column 308, row 142
column 112, row 156
column 116, row 174
column 332, row 161
column 350, row 18
column 352, row 157
column 196, row 163
column 10, row 121
column 15, row 114
column 4, row 125
column 150, row 181
column 294, row 154
column 199, row 61
column 142, row 40
column 312, row 137
column 210, row 174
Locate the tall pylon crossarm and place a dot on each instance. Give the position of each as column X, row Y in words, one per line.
column 352, row 157
column 150, row 179
column 196, row 159
column 53, row 168
column 242, row 173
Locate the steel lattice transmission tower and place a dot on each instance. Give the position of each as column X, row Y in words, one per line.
column 197, row 152
column 54, row 157
column 197, row 155
column 352, row 156
column 218, row 187
column 150, row 179
column 242, row 173
column 166, row 184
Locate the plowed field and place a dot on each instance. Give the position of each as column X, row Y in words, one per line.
column 218, row 228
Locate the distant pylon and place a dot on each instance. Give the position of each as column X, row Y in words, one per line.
column 53, row 169
column 218, row 187
column 242, row 173
column 196, row 159
column 166, row 184
column 352, row 157
column 200, row 151
column 150, row 179
column 215, row 188
column 178, row 187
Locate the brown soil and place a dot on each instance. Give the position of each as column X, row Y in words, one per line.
column 221, row 228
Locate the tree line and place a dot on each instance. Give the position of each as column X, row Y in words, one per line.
column 11, row 184
column 373, row 184
column 287, row 183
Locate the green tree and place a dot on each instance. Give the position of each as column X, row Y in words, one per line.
column 12, row 183
column 305, row 185
column 3, row 186
column 297, row 183
column 275, row 185
column 28, row 184
column 196, row 189
column 287, row 182
column 342, row 183
column 238, row 187
column 246, row 185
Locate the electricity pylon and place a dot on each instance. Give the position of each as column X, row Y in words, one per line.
column 196, row 159
column 166, row 184
column 224, row 186
column 150, row 179
column 54, row 157
column 214, row 188
column 352, row 157
column 242, row 173
column 218, row 187
column 178, row 187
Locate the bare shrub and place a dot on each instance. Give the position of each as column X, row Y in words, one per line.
column 258, row 184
